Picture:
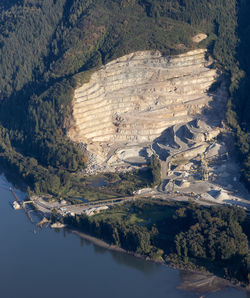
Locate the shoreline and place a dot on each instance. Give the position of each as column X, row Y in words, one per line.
column 204, row 279
column 195, row 280
column 103, row 244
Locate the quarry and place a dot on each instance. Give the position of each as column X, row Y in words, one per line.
column 173, row 107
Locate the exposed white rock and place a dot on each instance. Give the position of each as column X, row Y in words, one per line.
column 143, row 191
column 215, row 150
column 199, row 37
column 132, row 100
column 57, row 225
column 95, row 210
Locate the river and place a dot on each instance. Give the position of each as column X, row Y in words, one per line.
column 51, row 264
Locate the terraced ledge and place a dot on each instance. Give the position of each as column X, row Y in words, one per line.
column 132, row 100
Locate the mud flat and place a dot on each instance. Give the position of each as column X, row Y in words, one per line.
column 200, row 282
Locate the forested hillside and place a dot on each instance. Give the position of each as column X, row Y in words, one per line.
column 241, row 98
column 48, row 46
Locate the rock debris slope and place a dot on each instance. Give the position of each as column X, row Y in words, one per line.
column 130, row 101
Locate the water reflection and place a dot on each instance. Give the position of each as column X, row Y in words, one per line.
column 147, row 268
column 120, row 258
column 99, row 250
column 8, row 177
column 98, row 182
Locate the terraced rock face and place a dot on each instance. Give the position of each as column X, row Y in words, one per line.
column 132, row 100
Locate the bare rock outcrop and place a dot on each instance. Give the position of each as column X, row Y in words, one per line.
column 130, row 101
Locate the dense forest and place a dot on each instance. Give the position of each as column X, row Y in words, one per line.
column 48, row 47
column 184, row 235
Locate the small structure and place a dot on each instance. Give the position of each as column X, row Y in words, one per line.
column 16, row 205
column 57, row 225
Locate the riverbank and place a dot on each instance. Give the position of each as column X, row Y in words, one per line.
column 103, row 244
column 95, row 240
column 154, row 229
column 194, row 280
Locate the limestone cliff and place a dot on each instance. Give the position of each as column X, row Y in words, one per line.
column 130, row 101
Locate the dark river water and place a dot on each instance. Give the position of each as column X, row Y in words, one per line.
column 50, row 264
